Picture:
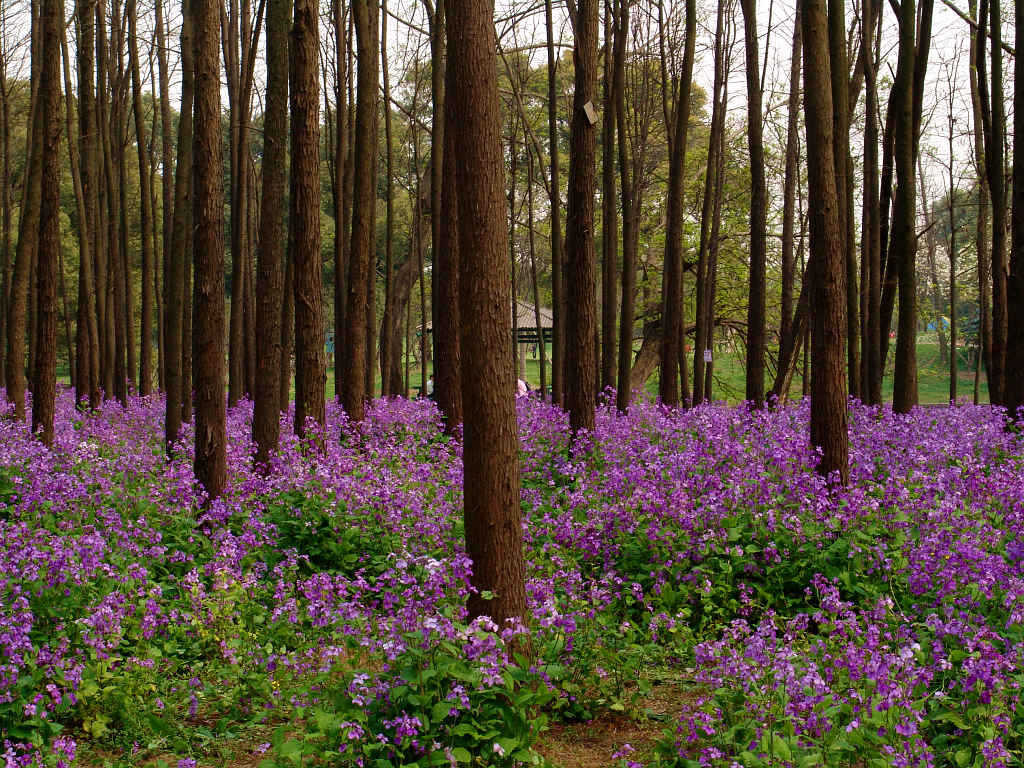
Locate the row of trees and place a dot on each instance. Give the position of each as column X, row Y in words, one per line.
column 320, row 159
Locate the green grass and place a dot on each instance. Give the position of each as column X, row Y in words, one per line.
column 729, row 376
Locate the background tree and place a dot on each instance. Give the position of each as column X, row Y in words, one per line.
column 304, row 218
column 270, row 278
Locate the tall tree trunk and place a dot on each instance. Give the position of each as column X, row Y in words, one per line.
column 167, row 176
column 579, row 228
column 702, row 336
column 673, row 347
column 1014, row 391
column 609, row 214
column 304, row 218
column 558, row 287
column 5, row 201
column 997, row 190
column 541, row 344
column 977, row 69
column 828, row 383
column 28, row 239
column 174, row 267
column 361, row 254
column 208, row 256
column 491, row 485
column 341, row 196
column 627, row 313
column 756, row 295
column 387, row 351
column 146, row 347
column 954, row 366
column 45, row 373
column 902, row 252
column 270, row 278
column 786, row 335
column 871, row 227
column 448, row 327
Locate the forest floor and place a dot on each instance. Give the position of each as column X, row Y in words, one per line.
column 697, row 595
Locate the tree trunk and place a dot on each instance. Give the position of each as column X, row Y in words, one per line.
column 86, row 371
column 208, row 256
column 627, row 313
column 579, row 229
column 448, row 328
column 997, row 189
column 387, row 351
column 609, row 215
column 828, row 382
column 45, row 372
column 871, row 248
column 1014, row 394
column 270, row 277
column 174, row 261
column 977, row 68
column 304, row 218
column 559, row 308
column 541, row 343
column 28, row 239
column 756, row 296
column 673, row 346
column 491, row 485
column 341, row 196
column 361, row 254
column 146, row 347
column 167, row 176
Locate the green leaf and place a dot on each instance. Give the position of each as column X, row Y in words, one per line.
column 963, row 757
column 462, row 755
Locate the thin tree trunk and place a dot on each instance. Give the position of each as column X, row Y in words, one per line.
column 304, row 218
column 1014, row 390
column 871, row 253
column 448, row 327
column 174, row 262
column 28, row 239
column 541, row 344
column 341, row 197
column 146, row 347
column 627, row 312
column 756, row 295
column 387, row 351
column 559, row 309
column 609, row 215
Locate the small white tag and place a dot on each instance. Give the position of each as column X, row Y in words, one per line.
column 590, row 112
column 707, row 355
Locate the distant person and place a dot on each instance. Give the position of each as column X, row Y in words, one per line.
column 430, row 387
column 522, row 388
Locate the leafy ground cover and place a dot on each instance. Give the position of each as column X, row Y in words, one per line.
column 698, row 596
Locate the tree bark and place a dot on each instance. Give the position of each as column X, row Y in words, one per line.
column 304, row 218
column 828, row 380
column 208, row 256
column 673, row 346
column 579, row 229
column 609, row 214
column 559, row 308
column 146, row 346
column 174, row 267
column 270, row 277
column 45, row 373
column 361, row 253
column 1014, row 391
column 448, row 327
column 491, row 484
column 756, row 295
